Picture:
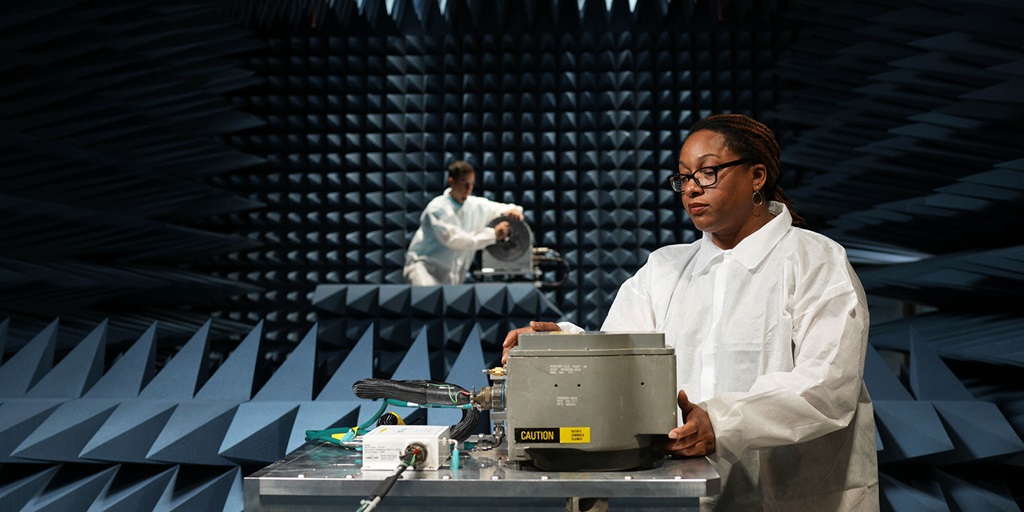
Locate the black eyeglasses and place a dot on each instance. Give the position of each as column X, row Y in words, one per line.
column 703, row 177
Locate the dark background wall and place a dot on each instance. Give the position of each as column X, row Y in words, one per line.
column 166, row 165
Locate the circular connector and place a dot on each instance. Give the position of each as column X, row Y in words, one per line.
column 498, row 397
column 419, row 453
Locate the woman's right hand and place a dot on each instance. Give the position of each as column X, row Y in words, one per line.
column 512, row 338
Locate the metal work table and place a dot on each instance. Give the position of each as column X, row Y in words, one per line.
column 321, row 476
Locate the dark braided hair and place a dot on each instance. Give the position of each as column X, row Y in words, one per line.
column 753, row 141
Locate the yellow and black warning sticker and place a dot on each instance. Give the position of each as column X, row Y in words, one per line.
column 563, row 435
column 575, row 434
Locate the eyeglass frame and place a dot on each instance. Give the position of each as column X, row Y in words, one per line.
column 676, row 181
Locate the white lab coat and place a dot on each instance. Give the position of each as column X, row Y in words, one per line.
column 449, row 235
column 770, row 340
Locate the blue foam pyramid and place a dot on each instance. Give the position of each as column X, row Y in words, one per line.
column 427, row 301
column 394, row 299
column 260, row 432
column 233, row 380
column 143, row 494
column 78, row 371
column 358, row 364
column 67, row 430
column 194, row 434
column 978, row 430
column 129, row 432
column 180, row 377
column 76, row 495
column 30, row 364
column 262, row 429
column 459, row 300
column 15, row 495
column 490, row 299
column 909, row 430
column 881, row 382
column 361, row 299
column 19, row 418
column 901, row 496
column 129, row 374
column 982, row 495
column 416, row 363
column 930, row 378
column 293, row 380
column 210, row 495
column 330, row 297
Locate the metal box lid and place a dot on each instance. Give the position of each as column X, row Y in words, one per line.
column 593, row 343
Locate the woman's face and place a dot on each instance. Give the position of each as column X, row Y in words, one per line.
column 725, row 209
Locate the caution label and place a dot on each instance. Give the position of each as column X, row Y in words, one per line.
column 537, row 435
column 575, row 434
column 563, row 435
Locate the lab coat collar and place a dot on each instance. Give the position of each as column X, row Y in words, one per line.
column 752, row 250
column 448, row 194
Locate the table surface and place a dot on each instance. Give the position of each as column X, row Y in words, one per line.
column 323, row 469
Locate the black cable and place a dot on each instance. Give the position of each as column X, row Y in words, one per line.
column 408, row 459
column 423, row 392
column 558, row 259
column 465, row 427
column 416, row 391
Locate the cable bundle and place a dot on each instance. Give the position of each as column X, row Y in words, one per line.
column 423, row 393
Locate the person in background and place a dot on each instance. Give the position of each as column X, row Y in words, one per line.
column 453, row 227
column 769, row 323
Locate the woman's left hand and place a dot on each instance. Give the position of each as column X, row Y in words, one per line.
column 696, row 437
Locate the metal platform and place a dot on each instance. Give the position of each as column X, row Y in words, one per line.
column 321, row 476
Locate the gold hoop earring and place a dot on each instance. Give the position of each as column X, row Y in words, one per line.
column 757, row 198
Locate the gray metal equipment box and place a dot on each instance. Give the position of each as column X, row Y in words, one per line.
column 590, row 400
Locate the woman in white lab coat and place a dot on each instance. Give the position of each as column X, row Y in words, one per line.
column 770, row 326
